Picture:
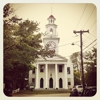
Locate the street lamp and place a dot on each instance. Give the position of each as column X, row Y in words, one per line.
column 75, row 44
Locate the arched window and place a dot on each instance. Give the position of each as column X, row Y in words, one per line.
column 50, row 83
column 51, row 30
column 41, row 83
column 60, row 83
column 51, row 20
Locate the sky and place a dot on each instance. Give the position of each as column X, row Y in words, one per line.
column 69, row 17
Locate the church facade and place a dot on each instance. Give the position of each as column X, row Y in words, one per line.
column 56, row 72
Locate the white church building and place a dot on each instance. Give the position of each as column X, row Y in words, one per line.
column 55, row 72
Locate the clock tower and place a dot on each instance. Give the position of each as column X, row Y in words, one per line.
column 51, row 38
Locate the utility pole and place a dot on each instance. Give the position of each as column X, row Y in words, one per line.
column 81, row 32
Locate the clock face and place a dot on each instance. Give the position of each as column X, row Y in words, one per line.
column 51, row 45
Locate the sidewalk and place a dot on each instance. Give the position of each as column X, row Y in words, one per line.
column 42, row 95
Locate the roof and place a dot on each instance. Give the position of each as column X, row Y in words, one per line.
column 56, row 58
column 51, row 16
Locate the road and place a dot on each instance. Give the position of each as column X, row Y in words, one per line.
column 42, row 95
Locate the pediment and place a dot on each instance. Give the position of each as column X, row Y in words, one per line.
column 54, row 58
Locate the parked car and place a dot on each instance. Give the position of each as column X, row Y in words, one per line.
column 76, row 90
column 31, row 86
column 89, row 91
column 78, row 87
column 74, row 93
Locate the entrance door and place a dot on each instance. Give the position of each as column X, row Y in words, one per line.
column 41, row 83
column 60, row 83
column 50, row 83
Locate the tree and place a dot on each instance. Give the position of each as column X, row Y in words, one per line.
column 76, row 65
column 10, row 52
column 91, row 69
column 77, row 77
column 75, row 60
column 7, row 10
column 21, row 46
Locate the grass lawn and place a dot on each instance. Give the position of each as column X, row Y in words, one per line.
column 44, row 91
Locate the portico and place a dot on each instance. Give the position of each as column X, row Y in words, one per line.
column 53, row 75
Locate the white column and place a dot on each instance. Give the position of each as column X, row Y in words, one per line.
column 65, row 76
column 46, row 74
column 37, row 68
column 30, row 77
column 56, row 75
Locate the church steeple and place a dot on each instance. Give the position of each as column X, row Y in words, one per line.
column 51, row 19
column 51, row 26
column 51, row 37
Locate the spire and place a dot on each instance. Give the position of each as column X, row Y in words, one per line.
column 51, row 16
column 51, row 10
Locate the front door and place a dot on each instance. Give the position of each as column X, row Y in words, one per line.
column 60, row 83
column 50, row 83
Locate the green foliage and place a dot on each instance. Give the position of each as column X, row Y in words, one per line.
column 74, row 58
column 90, row 61
column 91, row 57
column 7, row 10
column 20, row 49
column 91, row 69
column 77, row 77
column 76, row 65
column 91, row 76
column 21, row 45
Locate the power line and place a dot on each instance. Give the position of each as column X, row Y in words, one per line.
column 92, row 24
column 88, row 39
column 88, row 18
column 62, row 45
column 86, row 45
column 89, row 35
column 89, row 44
column 91, row 47
column 70, row 55
column 88, row 49
column 93, row 31
column 72, row 37
column 81, row 15
column 67, row 44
